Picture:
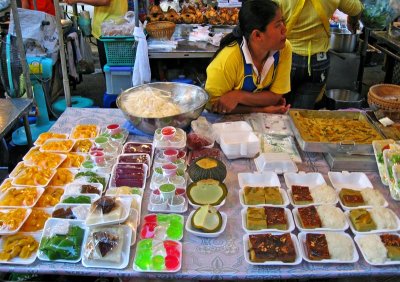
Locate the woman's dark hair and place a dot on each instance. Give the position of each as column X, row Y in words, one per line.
column 254, row 14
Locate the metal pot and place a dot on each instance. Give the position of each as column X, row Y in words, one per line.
column 342, row 40
column 343, row 99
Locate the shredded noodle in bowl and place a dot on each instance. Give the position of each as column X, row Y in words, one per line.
column 151, row 103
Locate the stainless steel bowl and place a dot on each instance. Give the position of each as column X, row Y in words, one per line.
column 342, row 40
column 343, row 99
column 190, row 98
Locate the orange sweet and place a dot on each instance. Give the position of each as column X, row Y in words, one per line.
column 12, row 219
column 20, row 197
column 35, row 221
column 50, row 197
column 62, row 177
column 73, row 160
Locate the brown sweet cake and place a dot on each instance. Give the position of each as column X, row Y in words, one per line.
column 351, row 198
column 301, row 195
column 268, row 247
column 276, row 218
column 392, row 244
column 317, row 247
column 309, row 217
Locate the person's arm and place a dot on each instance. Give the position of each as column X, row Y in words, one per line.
column 90, row 2
column 353, row 23
column 25, row 4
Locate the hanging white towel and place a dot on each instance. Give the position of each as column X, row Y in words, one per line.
column 141, row 70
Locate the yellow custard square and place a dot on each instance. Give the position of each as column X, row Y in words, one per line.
column 254, row 195
column 256, row 218
column 273, row 196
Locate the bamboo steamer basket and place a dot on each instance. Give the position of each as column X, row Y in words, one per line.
column 385, row 98
column 161, row 29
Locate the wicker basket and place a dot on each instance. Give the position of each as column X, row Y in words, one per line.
column 386, row 98
column 161, row 29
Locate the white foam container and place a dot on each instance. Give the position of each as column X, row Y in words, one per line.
column 127, row 236
column 385, row 204
column 377, row 145
column 39, row 191
column 302, row 178
column 276, row 162
column 303, row 250
column 387, row 262
column 84, row 207
column 11, row 232
column 199, row 233
column 51, row 223
column 145, row 173
column 289, row 193
column 18, row 260
column 234, row 126
column 355, row 232
column 49, row 141
column 258, row 179
column 126, row 205
column 289, row 220
column 296, row 216
column 242, row 144
column 281, row 263
column 74, row 189
column 352, row 180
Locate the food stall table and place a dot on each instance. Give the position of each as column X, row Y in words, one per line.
column 221, row 257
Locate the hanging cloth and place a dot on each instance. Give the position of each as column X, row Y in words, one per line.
column 141, row 70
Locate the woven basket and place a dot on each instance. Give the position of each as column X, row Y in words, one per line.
column 386, row 98
column 161, row 29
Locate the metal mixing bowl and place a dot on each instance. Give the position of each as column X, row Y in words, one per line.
column 190, row 98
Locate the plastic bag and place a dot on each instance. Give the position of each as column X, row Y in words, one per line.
column 202, row 136
column 122, row 26
column 378, row 14
column 141, row 70
column 86, row 65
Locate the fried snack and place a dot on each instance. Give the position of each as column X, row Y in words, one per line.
column 34, row 176
column 35, row 221
column 62, row 177
column 49, row 135
column 73, row 160
column 12, row 219
column 83, row 131
column 317, row 129
column 50, row 197
column 18, row 245
column 172, row 16
column 56, row 145
column 20, row 197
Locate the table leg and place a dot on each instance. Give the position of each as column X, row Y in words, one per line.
column 28, row 131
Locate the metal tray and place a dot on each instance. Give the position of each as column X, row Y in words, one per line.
column 343, row 146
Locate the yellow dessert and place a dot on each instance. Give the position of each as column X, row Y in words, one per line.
column 62, row 177
column 58, row 145
column 73, row 160
column 82, row 146
column 18, row 245
column 34, row 176
column 49, row 135
column 84, row 131
column 35, row 221
column 20, row 197
column 11, row 219
column 45, row 159
column 50, row 197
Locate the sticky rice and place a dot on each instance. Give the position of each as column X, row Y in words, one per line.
column 331, row 217
column 340, row 246
column 323, row 194
column 373, row 248
column 383, row 218
column 372, row 197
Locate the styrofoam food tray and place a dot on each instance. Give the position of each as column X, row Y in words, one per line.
column 125, row 251
column 302, row 246
column 84, row 207
column 71, row 170
column 234, row 126
column 74, row 188
column 199, row 233
column 112, row 179
column 67, row 149
column 76, row 129
column 243, row 144
column 151, row 208
column 126, row 204
column 10, row 232
column 14, row 182
column 125, row 150
column 52, row 223
column 18, row 260
column 177, row 142
column 296, row 248
column 277, row 162
column 283, row 194
column 289, row 193
column 289, row 220
column 385, row 204
column 148, row 160
column 39, row 191
column 85, row 179
column 347, row 213
column 258, row 179
column 302, row 178
column 295, row 213
column 181, row 219
column 352, row 180
column 39, row 140
column 387, row 262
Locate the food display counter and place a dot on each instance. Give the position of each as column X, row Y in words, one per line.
column 222, row 257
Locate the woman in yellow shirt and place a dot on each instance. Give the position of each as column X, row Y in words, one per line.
column 250, row 72
column 103, row 10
